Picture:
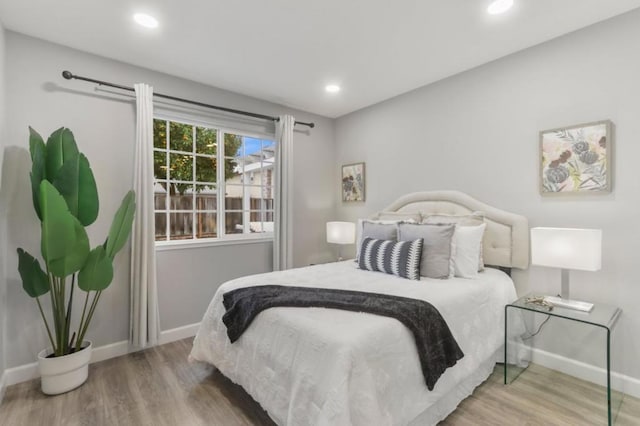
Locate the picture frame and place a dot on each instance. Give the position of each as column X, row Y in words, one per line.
column 576, row 160
column 353, row 182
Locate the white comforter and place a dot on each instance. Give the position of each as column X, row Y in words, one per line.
column 315, row 366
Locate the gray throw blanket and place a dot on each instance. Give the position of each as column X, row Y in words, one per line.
column 437, row 349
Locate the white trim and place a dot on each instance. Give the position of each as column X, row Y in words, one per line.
column 109, row 351
column 179, row 333
column 2, row 385
column 27, row 372
column 21, row 374
column 191, row 244
column 217, row 121
column 588, row 372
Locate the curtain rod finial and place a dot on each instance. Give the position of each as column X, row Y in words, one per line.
column 67, row 75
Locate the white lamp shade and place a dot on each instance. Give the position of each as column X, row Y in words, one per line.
column 341, row 232
column 567, row 248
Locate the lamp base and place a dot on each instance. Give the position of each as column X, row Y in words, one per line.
column 569, row 304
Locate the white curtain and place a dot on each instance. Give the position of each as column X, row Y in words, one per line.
column 283, row 226
column 144, row 315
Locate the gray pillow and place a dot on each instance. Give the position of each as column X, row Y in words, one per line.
column 473, row 219
column 436, row 250
column 378, row 231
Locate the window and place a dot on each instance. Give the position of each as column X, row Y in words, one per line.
column 195, row 198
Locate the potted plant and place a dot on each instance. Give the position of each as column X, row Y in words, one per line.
column 65, row 198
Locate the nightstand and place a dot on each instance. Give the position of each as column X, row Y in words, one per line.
column 601, row 316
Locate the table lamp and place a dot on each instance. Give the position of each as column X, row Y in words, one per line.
column 341, row 233
column 567, row 248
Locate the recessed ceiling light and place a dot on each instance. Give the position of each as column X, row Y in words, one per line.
column 145, row 20
column 499, row 6
column 332, row 88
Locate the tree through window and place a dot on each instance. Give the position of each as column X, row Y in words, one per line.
column 194, row 199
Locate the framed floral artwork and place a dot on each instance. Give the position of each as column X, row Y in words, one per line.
column 353, row 182
column 576, row 159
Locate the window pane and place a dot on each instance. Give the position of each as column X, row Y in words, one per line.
column 160, row 164
column 269, row 148
column 161, row 226
column 181, row 167
column 267, row 196
column 252, row 192
column 255, row 175
column 268, row 216
column 206, row 225
column 232, row 170
column 206, row 141
column 233, row 223
column 160, row 195
column 233, row 198
column 261, row 204
column 159, row 134
column 180, row 137
column 266, row 177
column 181, row 226
column 179, row 201
column 206, row 169
column 259, row 222
column 233, row 145
column 206, row 197
column 256, row 203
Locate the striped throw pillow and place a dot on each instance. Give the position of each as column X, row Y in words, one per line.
column 401, row 258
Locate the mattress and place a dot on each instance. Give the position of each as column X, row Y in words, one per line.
column 315, row 366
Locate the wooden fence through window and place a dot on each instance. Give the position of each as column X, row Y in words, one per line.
column 181, row 217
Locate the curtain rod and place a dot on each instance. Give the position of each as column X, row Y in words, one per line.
column 68, row 75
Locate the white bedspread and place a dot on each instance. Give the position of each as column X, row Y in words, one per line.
column 316, row 366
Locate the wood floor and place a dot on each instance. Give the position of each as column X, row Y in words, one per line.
column 159, row 386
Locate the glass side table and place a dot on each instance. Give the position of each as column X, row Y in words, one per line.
column 601, row 316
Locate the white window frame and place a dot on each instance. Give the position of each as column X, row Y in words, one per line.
column 222, row 239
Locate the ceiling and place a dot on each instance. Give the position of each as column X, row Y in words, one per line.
column 286, row 51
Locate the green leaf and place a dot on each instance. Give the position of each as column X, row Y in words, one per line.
column 34, row 279
column 97, row 272
column 58, row 227
column 38, row 171
column 64, row 242
column 76, row 255
column 121, row 225
column 76, row 184
column 61, row 146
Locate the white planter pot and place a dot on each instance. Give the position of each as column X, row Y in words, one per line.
column 64, row 373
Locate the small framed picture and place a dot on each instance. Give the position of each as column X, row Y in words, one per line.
column 576, row 159
column 353, row 182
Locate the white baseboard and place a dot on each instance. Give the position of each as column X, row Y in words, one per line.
column 21, row 373
column 179, row 333
column 588, row 372
column 2, row 386
column 109, row 351
column 27, row 372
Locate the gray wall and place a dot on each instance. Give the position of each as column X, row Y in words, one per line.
column 477, row 132
column 3, row 142
column 104, row 128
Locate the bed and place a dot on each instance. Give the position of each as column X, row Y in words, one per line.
column 315, row 366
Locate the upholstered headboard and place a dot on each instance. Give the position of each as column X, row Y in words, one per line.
column 506, row 239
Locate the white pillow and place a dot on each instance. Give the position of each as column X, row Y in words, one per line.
column 472, row 219
column 467, row 254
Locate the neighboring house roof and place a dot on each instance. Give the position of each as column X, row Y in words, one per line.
column 267, row 163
